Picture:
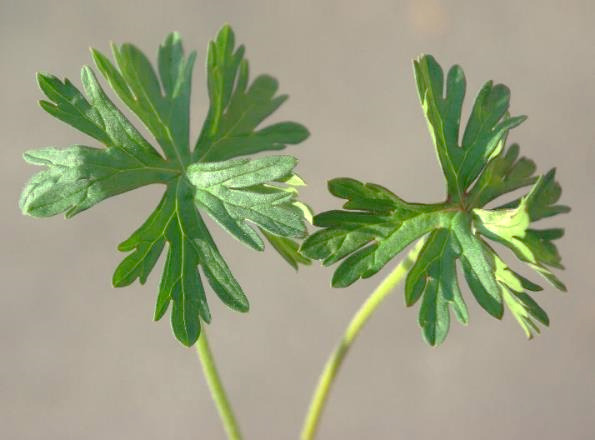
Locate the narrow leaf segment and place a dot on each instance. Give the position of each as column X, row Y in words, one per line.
column 376, row 225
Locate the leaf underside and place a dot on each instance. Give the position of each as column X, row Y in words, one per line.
column 375, row 225
column 243, row 195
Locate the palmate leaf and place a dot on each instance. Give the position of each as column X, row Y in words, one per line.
column 239, row 194
column 376, row 225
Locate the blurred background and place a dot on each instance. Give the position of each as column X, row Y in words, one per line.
column 81, row 360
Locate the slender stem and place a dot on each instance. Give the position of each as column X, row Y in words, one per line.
column 358, row 321
column 217, row 391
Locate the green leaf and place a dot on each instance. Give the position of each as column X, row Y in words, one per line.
column 434, row 276
column 237, row 108
column 488, row 124
column 505, row 173
column 288, row 249
column 372, row 239
column 162, row 103
column 477, row 267
column 525, row 310
column 542, row 198
column 236, row 193
column 79, row 177
column 375, row 225
column 510, row 227
column 368, row 260
column 96, row 116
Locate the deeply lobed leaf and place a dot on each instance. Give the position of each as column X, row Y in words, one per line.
column 236, row 192
column 376, row 225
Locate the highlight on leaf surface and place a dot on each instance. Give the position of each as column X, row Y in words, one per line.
column 375, row 225
column 243, row 195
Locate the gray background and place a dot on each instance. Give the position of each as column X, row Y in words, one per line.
column 80, row 360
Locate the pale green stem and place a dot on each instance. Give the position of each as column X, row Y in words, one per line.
column 217, row 391
column 358, row 321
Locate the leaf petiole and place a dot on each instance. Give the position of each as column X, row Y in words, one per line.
column 216, row 387
column 333, row 364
